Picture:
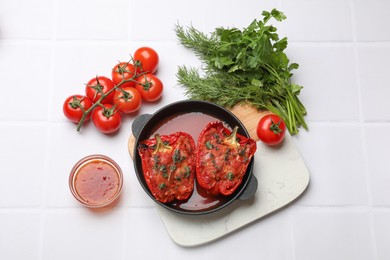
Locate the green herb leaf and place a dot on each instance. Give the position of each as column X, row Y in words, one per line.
column 209, row 145
column 278, row 15
column 244, row 66
column 163, row 170
column 187, row 172
column 176, row 157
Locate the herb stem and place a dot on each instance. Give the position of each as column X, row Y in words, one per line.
column 244, row 66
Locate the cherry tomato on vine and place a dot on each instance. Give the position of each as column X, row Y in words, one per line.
column 106, row 118
column 98, row 86
column 271, row 129
column 123, row 71
column 127, row 99
column 74, row 107
column 150, row 87
column 146, row 59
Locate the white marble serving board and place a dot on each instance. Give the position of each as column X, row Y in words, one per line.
column 282, row 176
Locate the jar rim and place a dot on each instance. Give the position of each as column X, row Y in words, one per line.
column 86, row 160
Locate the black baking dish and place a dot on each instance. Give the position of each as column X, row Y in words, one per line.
column 144, row 125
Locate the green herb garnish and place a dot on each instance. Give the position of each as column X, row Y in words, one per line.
column 163, row 170
column 209, row 145
column 176, row 157
column 244, row 66
column 187, row 172
column 172, row 168
column 156, row 160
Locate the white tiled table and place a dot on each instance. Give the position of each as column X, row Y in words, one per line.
column 50, row 49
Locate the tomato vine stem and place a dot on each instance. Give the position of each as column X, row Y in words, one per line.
column 99, row 90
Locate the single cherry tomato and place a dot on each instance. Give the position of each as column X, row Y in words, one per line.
column 271, row 129
column 74, row 107
column 123, row 71
column 98, row 86
column 146, row 60
column 106, row 118
column 150, row 87
column 127, row 99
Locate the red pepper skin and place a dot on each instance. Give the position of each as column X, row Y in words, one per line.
column 169, row 166
column 222, row 159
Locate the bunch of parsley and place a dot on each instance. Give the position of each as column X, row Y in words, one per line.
column 241, row 66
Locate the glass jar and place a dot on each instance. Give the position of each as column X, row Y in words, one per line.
column 96, row 181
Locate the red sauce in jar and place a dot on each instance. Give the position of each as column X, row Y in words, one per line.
column 96, row 181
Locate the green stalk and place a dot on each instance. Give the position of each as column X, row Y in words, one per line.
column 246, row 65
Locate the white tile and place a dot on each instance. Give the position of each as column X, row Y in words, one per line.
column 23, row 155
column 328, row 76
column 68, row 43
column 65, row 138
column 378, row 150
column 19, row 236
column 382, row 233
column 26, row 19
column 83, row 234
column 139, row 241
column 83, row 68
column 168, row 67
column 90, row 141
column 229, row 14
column 68, row 146
column 145, row 228
column 268, row 238
column 332, row 234
column 78, row 62
column 92, row 20
column 373, row 74
column 372, row 20
column 335, row 160
column 133, row 194
column 317, row 20
column 154, row 20
column 25, row 77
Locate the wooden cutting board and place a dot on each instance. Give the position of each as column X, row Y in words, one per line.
column 282, row 178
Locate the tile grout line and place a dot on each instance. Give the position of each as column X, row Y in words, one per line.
column 129, row 22
column 363, row 131
column 125, row 207
column 359, row 90
column 125, row 235
column 292, row 234
column 343, row 206
column 45, row 180
column 290, row 215
column 318, row 122
column 99, row 42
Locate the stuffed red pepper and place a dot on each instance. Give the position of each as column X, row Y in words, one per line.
column 169, row 165
column 222, row 158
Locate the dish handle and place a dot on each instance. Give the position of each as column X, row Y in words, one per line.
column 250, row 189
column 139, row 123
